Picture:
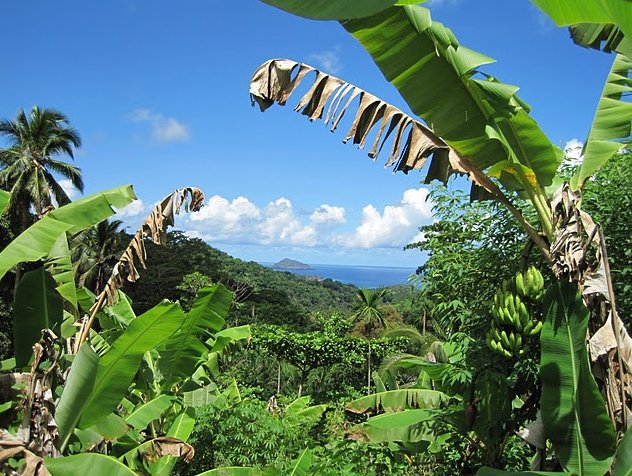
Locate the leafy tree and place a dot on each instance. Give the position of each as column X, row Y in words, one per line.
column 30, row 162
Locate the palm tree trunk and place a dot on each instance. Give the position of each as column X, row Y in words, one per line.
column 368, row 372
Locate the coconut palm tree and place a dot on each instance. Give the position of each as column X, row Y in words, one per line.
column 30, row 164
column 367, row 309
column 94, row 253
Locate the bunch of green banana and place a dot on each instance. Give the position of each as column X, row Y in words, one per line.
column 530, row 284
column 513, row 322
column 505, row 343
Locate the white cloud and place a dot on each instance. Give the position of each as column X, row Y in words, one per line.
column 69, row 188
column 328, row 60
column 240, row 221
column 220, row 219
column 396, row 226
column 573, row 150
column 326, row 214
column 134, row 209
column 163, row 129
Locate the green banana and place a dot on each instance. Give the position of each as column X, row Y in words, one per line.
column 520, row 285
column 536, row 329
column 504, row 339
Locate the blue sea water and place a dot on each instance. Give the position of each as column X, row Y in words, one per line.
column 361, row 276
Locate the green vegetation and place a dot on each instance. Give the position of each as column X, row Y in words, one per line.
column 210, row 365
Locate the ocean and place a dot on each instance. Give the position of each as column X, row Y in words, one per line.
column 361, row 276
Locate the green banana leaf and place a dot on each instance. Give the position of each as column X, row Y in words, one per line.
column 232, row 471
column 299, row 412
column 111, row 428
column 37, row 306
column 396, row 400
column 573, row 411
column 59, row 264
column 482, row 120
column 141, row 417
column 94, row 464
column 330, row 10
column 599, row 36
column 611, row 125
column 622, row 465
column 569, row 12
column 181, row 428
column 486, row 471
column 4, row 199
column 79, row 384
column 121, row 311
column 408, row 426
column 119, row 364
column 201, row 396
column 229, row 336
column 180, row 354
column 303, row 463
column 38, row 240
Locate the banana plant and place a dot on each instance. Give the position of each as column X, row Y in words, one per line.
column 481, row 128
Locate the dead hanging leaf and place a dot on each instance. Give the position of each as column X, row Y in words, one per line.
column 11, row 448
column 152, row 450
column 411, row 143
column 168, row 446
column 579, row 255
column 154, row 227
column 329, row 98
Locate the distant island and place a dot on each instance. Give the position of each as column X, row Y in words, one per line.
column 290, row 264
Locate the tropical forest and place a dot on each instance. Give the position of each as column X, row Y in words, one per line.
column 137, row 344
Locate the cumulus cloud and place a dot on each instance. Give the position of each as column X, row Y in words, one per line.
column 223, row 219
column 163, row 128
column 395, row 226
column 241, row 221
column 134, row 209
column 328, row 60
column 326, row 215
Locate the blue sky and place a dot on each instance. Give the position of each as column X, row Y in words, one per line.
column 159, row 92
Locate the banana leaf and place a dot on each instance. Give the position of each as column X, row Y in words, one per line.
column 569, row 12
column 59, row 264
column 408, row 426
column 181, row 428
column 4, row 199
column 119, row 364
column 180, row 354
column 37, row 306
column 329, row 10
column 303, row 463
column 486, row 471
column 232, row 471
column 622, row 464
column 611, row 125
column 573, row 411
column 94, row 464
column 396, row 400
column 599, row 36
column 141, row 417
column 79, row 384
column 482, row 120
column 38, row 240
